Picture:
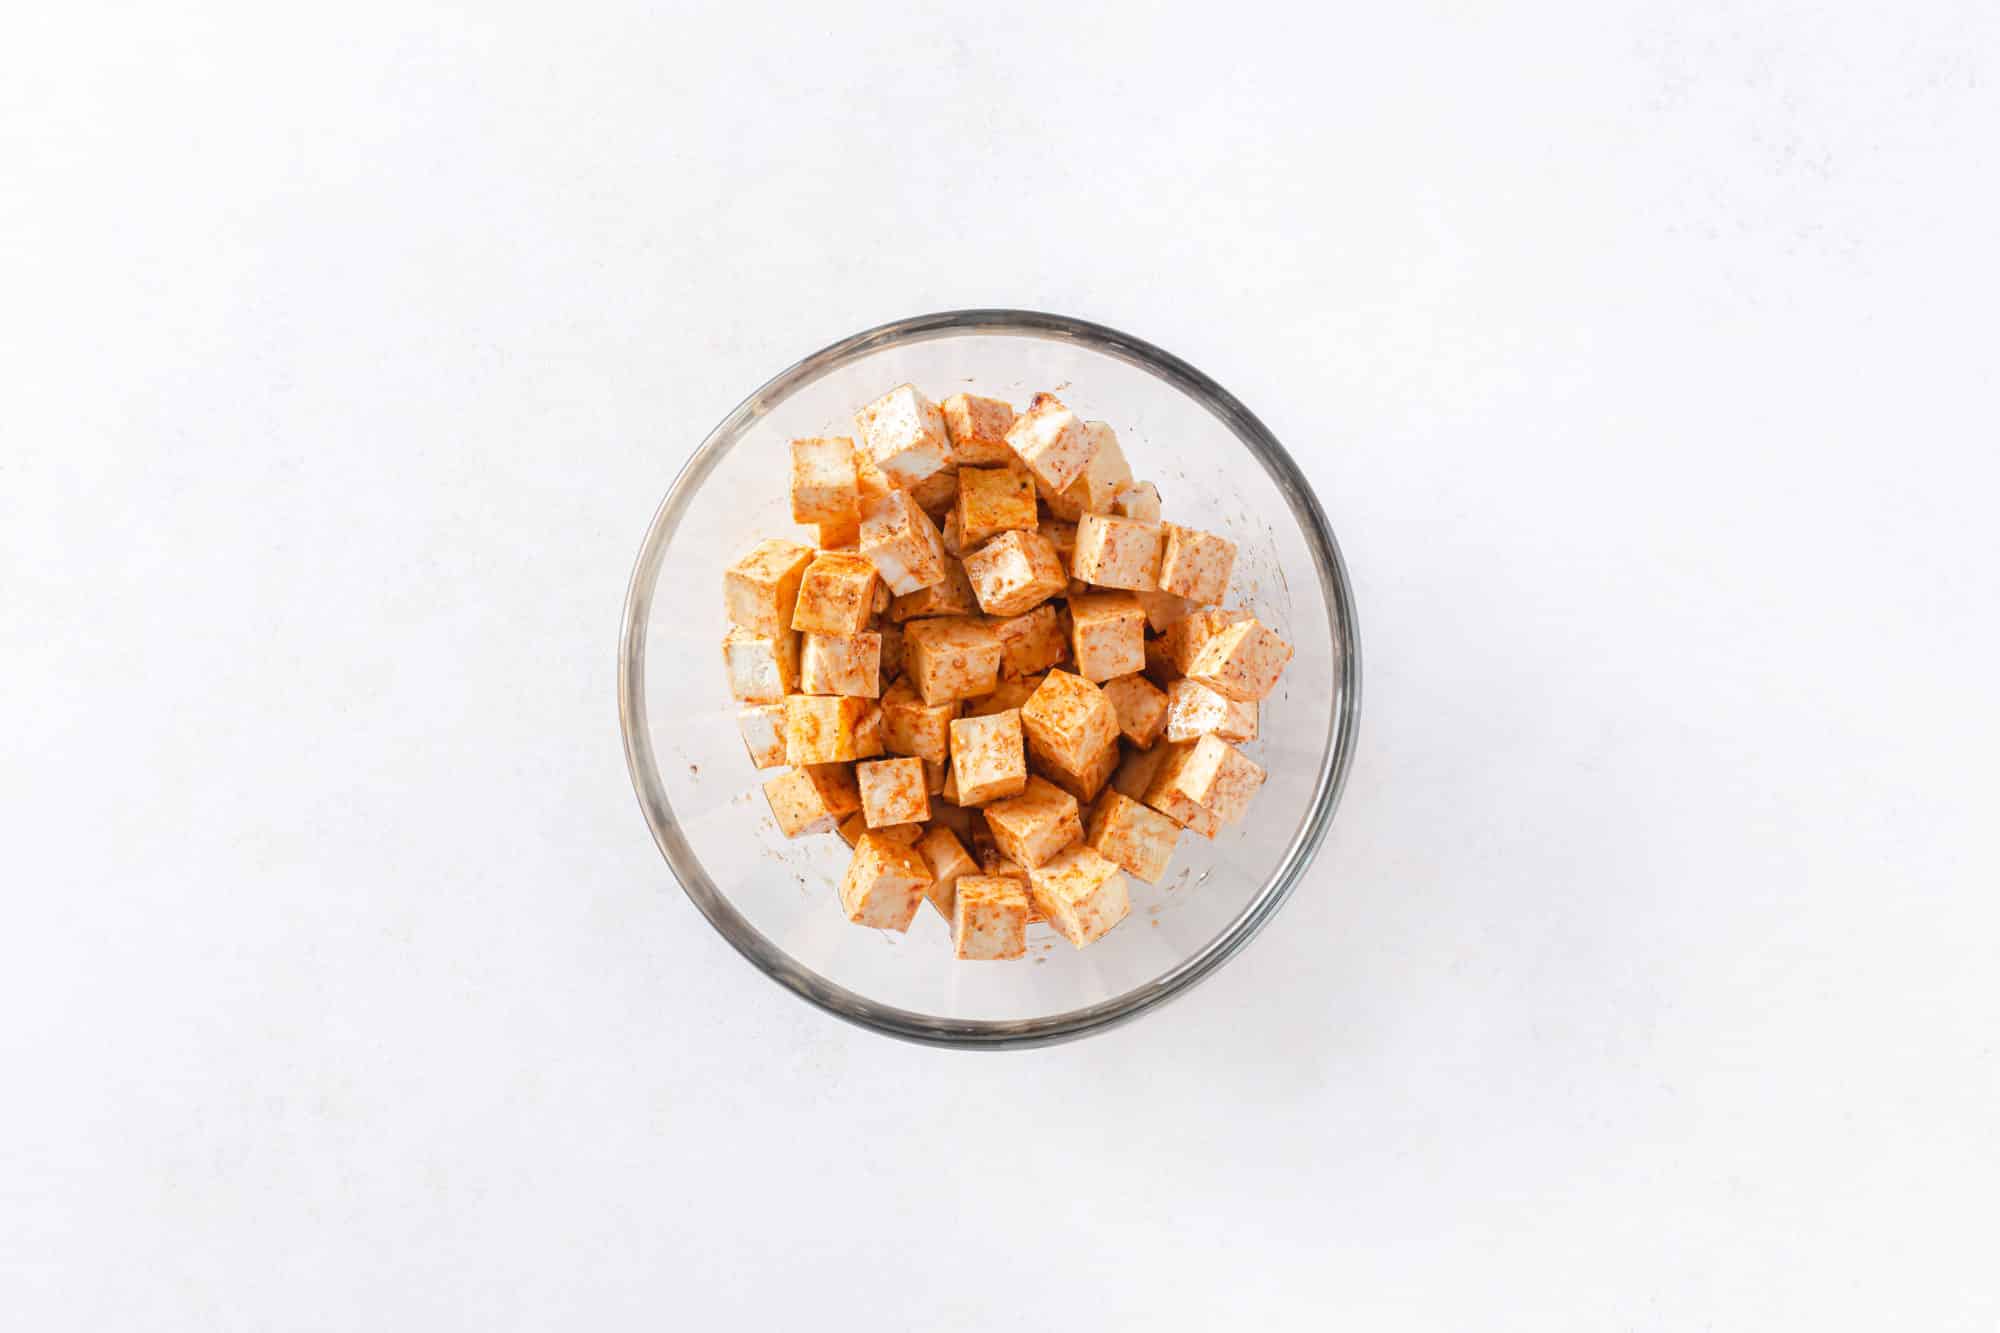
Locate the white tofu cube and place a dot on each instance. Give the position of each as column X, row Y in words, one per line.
column 842, row 666
column 1196, row 565
column 989, row 918
column 762, row 668
column 797, row 805
column 988, row 761
column 836, row 596
column 978, row 429
column 951, row 657
column 893, row 791
column 823, row 729
column 1035, row 825
column 1051, row 441
column 1139, row 839
column 1141, row 707
column 1107, row 635
column 824, row 487
column 759, row 590
column 948, row 861
column 763, row 729
column 1194, row 711
column 1030, row 643
column 1140, row 500
column 1241, row 661
column 912, row 727
column 900, row 540
column 903, row 434
column 1082, row 893
column 1068, row 721
column 992, row 501
column 884, row 883
column 1116, row 552
column 1014, row 573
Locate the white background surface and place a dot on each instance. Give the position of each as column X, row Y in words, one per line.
column 1643, row 357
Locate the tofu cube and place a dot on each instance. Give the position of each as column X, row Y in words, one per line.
column 840, row 534
column 903, row 435
column 1014, row 573
column 1107, row 634
column 948, row 861
column 1194, row 710
column 1241, row 661
column 1184, row 639
column 830, row 729
column 1136, row 770
column 869, row 479
column 1084, row 781
column 836, row 596
column 912, row 727
column 993, row 500
column 1009, row 693
column 762, row 668
column 1141, row 708
column 950, row 536
column 892, row 651
column 951, row 657
column 824, row 487
column 989, row 918
column 1035, row 825
column 884, row 883
column 1107, row 472
column 1063, row 506
column 977, row 428
column 856, row 824
column 797, row 805
column 949, row 596
column 842, row 666
column 988, row 761
column 1051, row 441
column 1116, row 552
column 1030, row 643
column 937, row 494
column 1082, row 893
column 893, row 791
column 1139, row 839
column 900, row 540
column 837, row 789
column 1068, row 721
column 1163, row 610
column 1196, row 564
column 1141, row 501
column 1208, row 773
column 758, row 591
column 763, row 729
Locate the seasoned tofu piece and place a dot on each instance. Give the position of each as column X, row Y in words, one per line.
column 763, row 729
column 1062, row 536
column 1035, row 825
column 992, row 501
column 988, row 761
column 978, row 429
column 1135, row 771
column 797, row 805
column 1082, row 893
column 1139, row 839
column 1107, row 635
column 1196, row 564
column 1114, row 552
column 836, row 786
column 1140, row 706
column 1011, row 692
column 1184, row 639
column 948, row 861
column 759, row 590
column 1084, row 781
column 1163, row 610
column 949, row 596
column 824, row 487
column 836, row 596
column 1014, row 573
column 1194, row 710
column 1207, row 773
column 900, row 540
column 937, row 494
column 912, row 727
column 763, row 668
column 1241, row 661
column 1098, row 485
column 839, row 535
column 884, row 884
column 951, row 657
column 954, row 544
column 856, row 824
column 902, row 433
column 842, row 666
column 892, row 651
column 1140, row 500
column 1063, row 506
column 1068, row 721
column 1030, row 643
column 831, row 729
column 989, row 918
column 893, row 791
column 1051, row 441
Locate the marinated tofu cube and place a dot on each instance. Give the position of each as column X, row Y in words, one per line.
column 837, row 595
column 1063, row 506
column 988, row 761
column 1139, row 839
column 1085, row 781
column 937, row 494
column 842, row 666
column 884, row 884
column 1141, row 708
column 1196, row 564
column 856, row 824
column 903, row 435
column 1163, row 610
column 1035, row 825
column 797, row 805
column 893, row 791
column 869, row 479
column 824, row 488
column 830, row 729
column 758, row 591
column 949, row 596
column 900, row 540
column 763, row 729
column 1014, row 573
column 763, row 668
column 1208, row 773
column 1241, row 661
column 1009, row 693
column 1094, row 491
column 912, row 727
column 1116, row 552
column 951, row 657
column 1135, row 771
column 978, row 429
column 1082, row 893
column 1030, row 643
column 840, row 535
column 1068, row 721
column 948, row 861
column 954, row 545
column 1140, row 500
column 1194, row 710
column 1185, row 638
column 892, row 651
column 1107, row 634
column 1062, row 536
column 993, row 500
column 989, row 918
column 1051, row 441
column 837, row 789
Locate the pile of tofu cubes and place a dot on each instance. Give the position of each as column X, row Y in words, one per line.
column 995, row 673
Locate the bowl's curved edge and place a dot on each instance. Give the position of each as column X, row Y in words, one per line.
column 1075, row 1023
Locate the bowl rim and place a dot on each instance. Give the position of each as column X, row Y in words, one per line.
column 1336, row 759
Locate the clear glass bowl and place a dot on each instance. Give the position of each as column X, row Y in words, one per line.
column 1216, row 467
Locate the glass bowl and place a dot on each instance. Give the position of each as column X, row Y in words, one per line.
column 1216, row 467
